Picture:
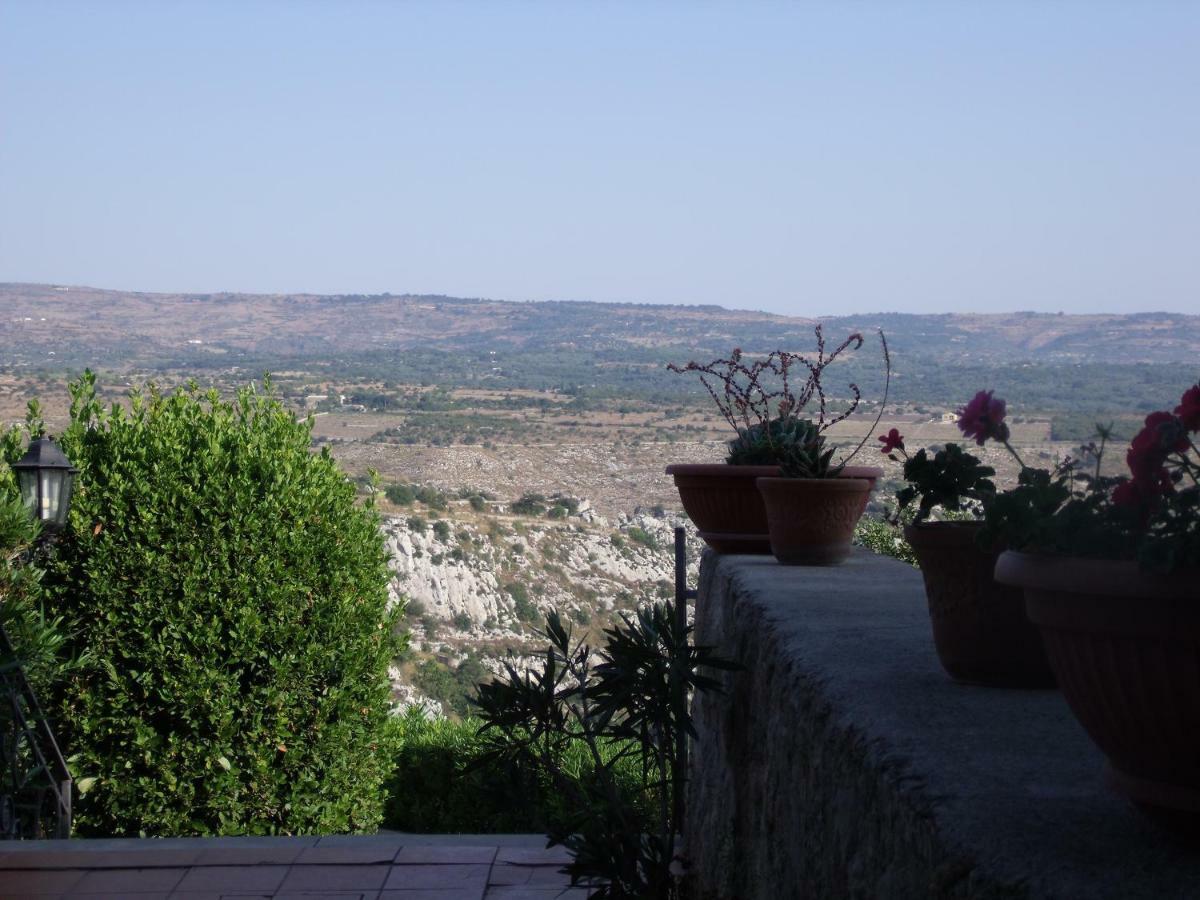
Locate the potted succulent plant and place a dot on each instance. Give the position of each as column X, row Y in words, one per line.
column 1110, row 567
column 758, row 400
column 812, row 504
column 980, row 630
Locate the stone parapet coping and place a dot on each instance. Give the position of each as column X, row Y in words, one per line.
column 843, row 762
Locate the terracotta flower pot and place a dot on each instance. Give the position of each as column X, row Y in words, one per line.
column 1125, row 646
column 725, row 505
column 980, row 629
column 811, row 520
column 870, row 473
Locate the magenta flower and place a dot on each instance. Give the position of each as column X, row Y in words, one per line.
column 1189, row 408
column 1162, row 435
column 893, row 440
column 983, row 418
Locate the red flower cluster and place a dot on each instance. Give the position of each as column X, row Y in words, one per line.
column 983, row 418
column 1162, row 434
column 1188, row 409
column 892, row 441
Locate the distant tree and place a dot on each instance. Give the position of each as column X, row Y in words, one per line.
column 400, row 494
column 529, row 505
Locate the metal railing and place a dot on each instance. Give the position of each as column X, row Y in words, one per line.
column 35, row 783
column 682, row 595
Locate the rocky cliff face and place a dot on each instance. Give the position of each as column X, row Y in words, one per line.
column 477, row 585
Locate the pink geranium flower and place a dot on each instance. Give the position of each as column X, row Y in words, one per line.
column 983, row 418
column 893, row 440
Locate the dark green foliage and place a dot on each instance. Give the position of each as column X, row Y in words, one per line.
column 417, row 525
column 525, row 608
column 450, row 686
column 400, row 494
column 462, row 621
column 641, row 536
column 630, row 706
column 1070, row 512
column 37, row 636
column 403, row 494
column 441, row 530
column 795, row 444
column 528, row 505
column 231, row 597
column 806, row 455
column 445, row 783
column 571, row 503
column 766, row 443
column 431, row 497
column 1023, row 516
column 884, row 537
column 952, row 480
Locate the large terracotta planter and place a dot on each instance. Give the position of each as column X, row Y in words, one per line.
column 1125, row 646
column 980, row 629
column 724, row 504
column 811, row 520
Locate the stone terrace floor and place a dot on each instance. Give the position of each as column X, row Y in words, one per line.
column 342, row 867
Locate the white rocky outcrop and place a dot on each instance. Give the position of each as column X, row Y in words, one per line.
column 464, row 586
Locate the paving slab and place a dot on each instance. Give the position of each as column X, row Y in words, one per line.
column 386, row 866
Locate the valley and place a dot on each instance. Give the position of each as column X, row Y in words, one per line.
column 516, row 451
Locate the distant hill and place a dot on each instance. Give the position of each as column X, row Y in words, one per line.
column 136, row 328
column 579, row 346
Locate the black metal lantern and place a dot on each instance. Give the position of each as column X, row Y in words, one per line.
column 46, row 477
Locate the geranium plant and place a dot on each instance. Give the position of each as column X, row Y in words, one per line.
column 951, row 479
column 760, row 401
column 1151, row 515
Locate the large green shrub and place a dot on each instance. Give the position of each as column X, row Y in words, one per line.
column 233, row 598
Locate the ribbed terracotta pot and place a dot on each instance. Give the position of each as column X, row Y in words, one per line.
column 724, row 504
column 811, row 520
column 980, row 629
column 1125, row 646
column 870, row 473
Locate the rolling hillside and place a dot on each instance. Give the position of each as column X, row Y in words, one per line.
column 118, row 328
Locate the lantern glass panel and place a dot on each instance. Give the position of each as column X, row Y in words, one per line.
column 51, row 494
column 27, row 480
column 64, row 499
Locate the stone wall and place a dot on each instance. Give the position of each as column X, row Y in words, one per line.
column 842, row 762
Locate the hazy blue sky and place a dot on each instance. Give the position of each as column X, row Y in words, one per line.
column 801, row 158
